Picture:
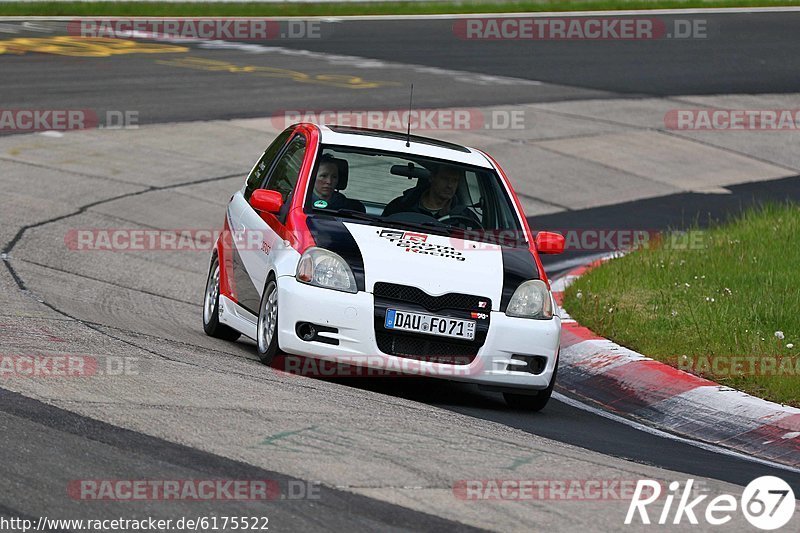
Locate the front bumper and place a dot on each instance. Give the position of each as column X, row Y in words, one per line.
column 353, row 316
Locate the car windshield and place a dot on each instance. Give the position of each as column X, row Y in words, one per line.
column 412, row 191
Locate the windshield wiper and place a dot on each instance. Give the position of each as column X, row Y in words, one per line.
column 430, row 227
column 354, row 214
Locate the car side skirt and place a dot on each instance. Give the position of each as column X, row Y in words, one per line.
column 237, row 317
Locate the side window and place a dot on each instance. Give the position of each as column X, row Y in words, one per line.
column 287, row 169
column 261, row 169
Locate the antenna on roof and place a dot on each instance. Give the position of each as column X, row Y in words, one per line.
column 410, row 103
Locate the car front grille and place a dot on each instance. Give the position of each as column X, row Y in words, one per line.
column 452, row 300
column 426, row 347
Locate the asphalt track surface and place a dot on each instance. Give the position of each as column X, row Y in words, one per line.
column 741, row 53
column 744, row 53
column 33, row 429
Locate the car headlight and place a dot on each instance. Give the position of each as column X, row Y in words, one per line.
column 323, row 268
column 531, row 300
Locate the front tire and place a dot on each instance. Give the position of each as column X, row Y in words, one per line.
column 267, row 330
column 211, row 324
column 533, row 402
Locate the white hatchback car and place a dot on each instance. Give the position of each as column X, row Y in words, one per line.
column 380, row 249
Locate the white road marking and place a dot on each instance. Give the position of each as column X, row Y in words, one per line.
column 30, row 26
column 695, row 11
column 542, row 14
column 472, row 78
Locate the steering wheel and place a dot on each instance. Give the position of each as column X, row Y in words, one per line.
column 467, row 221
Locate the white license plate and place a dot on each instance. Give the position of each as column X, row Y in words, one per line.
column 430, row 324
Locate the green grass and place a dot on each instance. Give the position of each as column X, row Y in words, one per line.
column 261, row 9
column 725, row 297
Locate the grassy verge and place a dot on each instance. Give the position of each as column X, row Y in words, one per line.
column 261, row 9
column 723, row 304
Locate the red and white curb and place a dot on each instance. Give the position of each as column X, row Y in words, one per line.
column 630, row 384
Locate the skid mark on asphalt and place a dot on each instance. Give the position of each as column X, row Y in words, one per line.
column 141, row 341
column 182, row 353
column 107, row 282
column 519, row 462
column 270, row 441
column 333, row 442
column 34, row 333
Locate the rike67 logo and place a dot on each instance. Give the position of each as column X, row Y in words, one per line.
column 767, row 503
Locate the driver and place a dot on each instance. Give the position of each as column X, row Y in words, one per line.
column 437, row 200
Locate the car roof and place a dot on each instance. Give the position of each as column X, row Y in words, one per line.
column 394, row 141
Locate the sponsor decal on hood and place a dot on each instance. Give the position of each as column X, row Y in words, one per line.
column 436, row 264
column 417, row 243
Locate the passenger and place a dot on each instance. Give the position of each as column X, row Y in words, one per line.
column 326, row 186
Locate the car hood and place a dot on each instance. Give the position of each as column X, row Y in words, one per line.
column 434, row 263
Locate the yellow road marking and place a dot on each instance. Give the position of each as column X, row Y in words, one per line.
column 334, row 80
column 66, row 45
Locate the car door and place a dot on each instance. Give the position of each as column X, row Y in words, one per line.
column 263, row 238
column 245, row 292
